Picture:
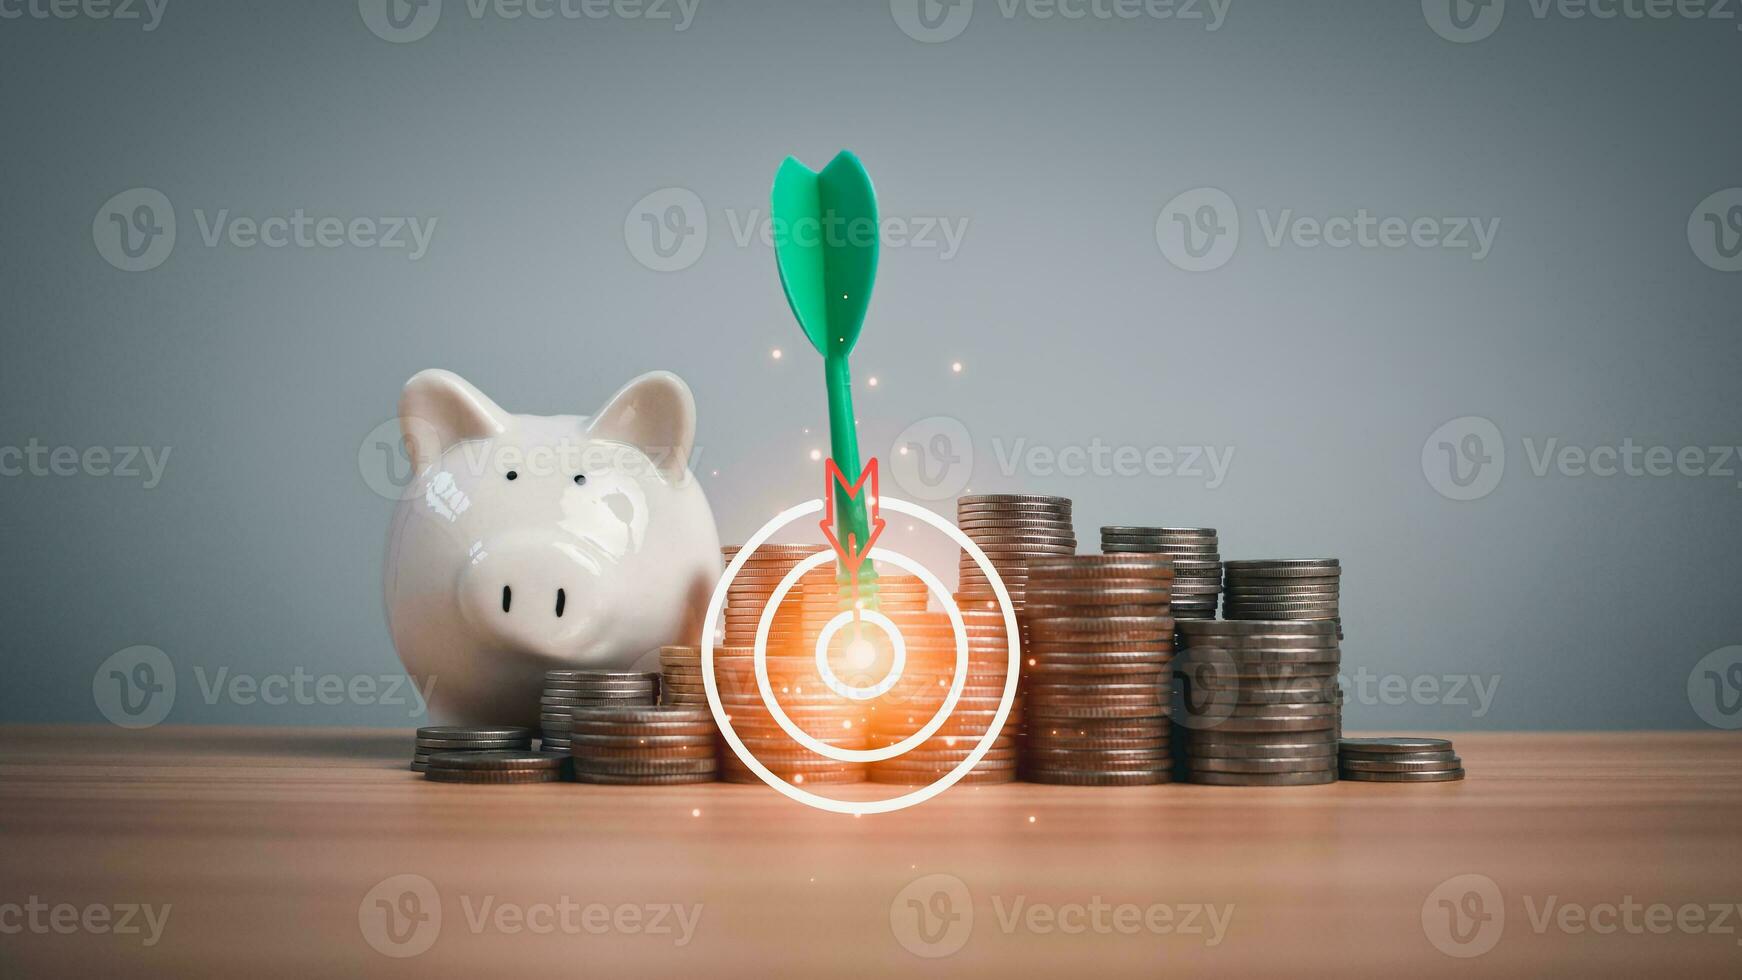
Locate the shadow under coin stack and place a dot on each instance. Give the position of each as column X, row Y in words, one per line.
column 644, row 746
column 1260, row 703
column 750, row 590
column 566, row 690
column 919, row 695
column 816, row 710
column 1299, row 588
column 1399, row 760
column 1012, row 528
column 1197, row 562
column 467, row 738
column 1098, row 683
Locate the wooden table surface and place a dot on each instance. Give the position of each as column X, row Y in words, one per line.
column 267, row 846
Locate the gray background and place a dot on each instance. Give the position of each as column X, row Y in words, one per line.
column 1591, row 321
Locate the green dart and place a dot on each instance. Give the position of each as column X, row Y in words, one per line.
column 828, row 262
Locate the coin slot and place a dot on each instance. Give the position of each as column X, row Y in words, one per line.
column 561, row 600
column 507, row 597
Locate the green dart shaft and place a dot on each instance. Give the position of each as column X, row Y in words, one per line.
column 844, row 446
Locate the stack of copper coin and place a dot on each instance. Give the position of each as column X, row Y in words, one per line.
column 1098, row 694
column 754, row 585
column 796, row 683
column 920, row 693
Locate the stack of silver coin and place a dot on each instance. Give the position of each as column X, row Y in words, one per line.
column 1097, row 695
column 1298, row 588
column 467, row 738
column 1197, row 562
column 1259, row 702
column 1012, row 528
column 566, row 690
column 644, row 746
column 495, row 767
column 1399, row 760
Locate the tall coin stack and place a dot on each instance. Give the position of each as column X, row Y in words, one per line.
column 1260, row 703
column 1300, row 588
column 1197, row 562
column 813, row 708
column 920, row 693
column 754, row 584
column 1097, row 691
column 1012, row 528
column 566, row 690
column 644, row 746
column 467, row 738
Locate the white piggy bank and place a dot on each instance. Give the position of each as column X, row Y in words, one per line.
column 529, row 542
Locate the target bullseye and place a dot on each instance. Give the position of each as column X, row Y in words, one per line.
column 861, row 654
column 760, row 659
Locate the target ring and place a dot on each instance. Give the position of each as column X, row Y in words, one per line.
column 760, row 658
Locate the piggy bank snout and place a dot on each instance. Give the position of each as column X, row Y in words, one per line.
column 533, row 596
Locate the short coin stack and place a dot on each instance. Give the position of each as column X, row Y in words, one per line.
column 566, row 690
column 1260, row 704
column 1012, row 528
column 680, row 677
column 644, row 746
column 1097, row 698
column 920, row 693
column 495, row 767
column 754, row 585
column 1197, row 562
column 1302, row 588
column 467, row 738
column 1399, row 760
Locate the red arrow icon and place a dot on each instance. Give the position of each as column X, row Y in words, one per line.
column 852, row 553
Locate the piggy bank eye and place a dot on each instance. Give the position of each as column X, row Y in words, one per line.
column 512, row 475
column 580, row 480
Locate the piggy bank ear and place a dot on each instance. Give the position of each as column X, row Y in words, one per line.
column 438, row 409
column 654, row 413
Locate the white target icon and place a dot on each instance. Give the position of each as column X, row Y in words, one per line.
column 898, row 660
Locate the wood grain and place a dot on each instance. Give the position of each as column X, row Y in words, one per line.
column 264, row 843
